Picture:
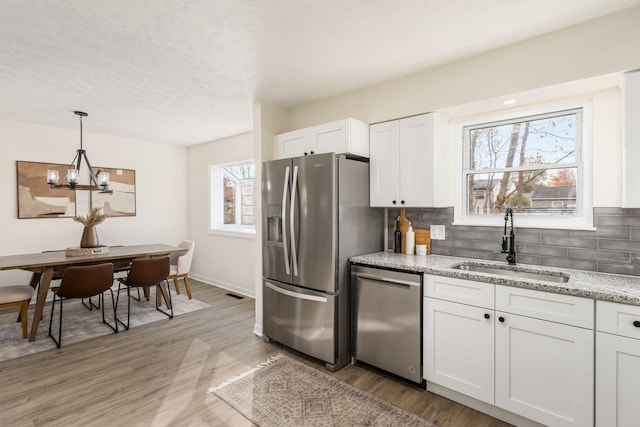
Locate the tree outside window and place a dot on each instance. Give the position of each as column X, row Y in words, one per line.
column 530, row 164
column 232, row 197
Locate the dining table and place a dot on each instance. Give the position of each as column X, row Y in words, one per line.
column 44, row 264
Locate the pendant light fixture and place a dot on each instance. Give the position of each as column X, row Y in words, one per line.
column 98, row 181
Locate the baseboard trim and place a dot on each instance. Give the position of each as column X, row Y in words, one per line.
column 257, row 329
column 491, row 410
column 233, row 288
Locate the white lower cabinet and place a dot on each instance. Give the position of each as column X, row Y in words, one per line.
column 459, row 347
column 544, row 370
column 518, row 355
column 544, row 356
column 617, row 365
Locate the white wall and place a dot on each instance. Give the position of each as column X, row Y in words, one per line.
column 222, row 260
column 601, row 46
column 161, row 197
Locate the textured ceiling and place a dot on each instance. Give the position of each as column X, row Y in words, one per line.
column 187, row 72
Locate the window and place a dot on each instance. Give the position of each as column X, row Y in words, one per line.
column 533, row 163
column 232, row 198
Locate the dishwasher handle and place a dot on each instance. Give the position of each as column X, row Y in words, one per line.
column 386, row 279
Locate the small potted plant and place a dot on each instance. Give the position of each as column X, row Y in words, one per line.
column 90, row 235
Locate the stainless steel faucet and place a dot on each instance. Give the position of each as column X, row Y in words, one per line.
column 509, row 240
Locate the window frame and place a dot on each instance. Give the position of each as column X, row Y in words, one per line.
column 583, row 220
column 216, row 203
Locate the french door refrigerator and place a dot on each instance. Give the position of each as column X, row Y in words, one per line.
column 316, row 215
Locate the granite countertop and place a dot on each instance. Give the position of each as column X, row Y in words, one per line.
column 600, row 286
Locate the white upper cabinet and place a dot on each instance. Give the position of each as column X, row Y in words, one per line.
column 342, row 136
column 348, row 136
column 384, row 164
column 407, row 158
column 293, row 144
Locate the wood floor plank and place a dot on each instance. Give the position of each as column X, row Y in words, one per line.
column 158, row 375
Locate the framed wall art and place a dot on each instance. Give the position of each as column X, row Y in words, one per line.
column 122, row 202
column 36, row 199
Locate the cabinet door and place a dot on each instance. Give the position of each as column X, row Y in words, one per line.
column 617, row 380
column 293, row 144
column 384, row 164
column 342, row 136
column 416, row 161
column 544, row 370
column 458, row 348
column 330, row 137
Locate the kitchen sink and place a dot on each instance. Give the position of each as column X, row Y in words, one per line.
column 510, row 272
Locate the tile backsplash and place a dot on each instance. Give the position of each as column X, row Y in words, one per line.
column 614, row 247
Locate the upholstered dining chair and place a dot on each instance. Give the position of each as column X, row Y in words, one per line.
column 57, row 275
column 180, row 267
column 17, row 296
column 145, row 273
column 83, row 281
column 118, row 267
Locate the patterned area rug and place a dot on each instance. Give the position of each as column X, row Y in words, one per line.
column 79, row 324
column 282, row 392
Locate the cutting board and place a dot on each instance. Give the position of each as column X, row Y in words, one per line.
column 422, row 237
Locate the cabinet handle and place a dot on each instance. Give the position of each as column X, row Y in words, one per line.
column 636, row 323
column 305, row 153
column 487, row 316
column 312, row 152
column 394, row 202
column 501, row 319
column 402, row 202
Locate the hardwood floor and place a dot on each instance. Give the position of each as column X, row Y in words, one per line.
column 158, row 375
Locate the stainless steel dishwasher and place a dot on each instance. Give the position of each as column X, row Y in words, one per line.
column 387, row 320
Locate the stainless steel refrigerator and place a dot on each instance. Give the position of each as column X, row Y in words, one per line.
column 316, row 215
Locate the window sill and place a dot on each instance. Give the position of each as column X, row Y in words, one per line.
column 551, row 224
column 242, row 234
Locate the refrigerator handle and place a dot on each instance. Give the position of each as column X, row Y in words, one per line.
column 294, row 256
column 284, row 220
column 296, row 294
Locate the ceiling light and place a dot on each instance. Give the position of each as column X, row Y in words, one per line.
column 509, row 101
column 99, row 181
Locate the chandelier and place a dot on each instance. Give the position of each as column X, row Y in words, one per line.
column 98, row 181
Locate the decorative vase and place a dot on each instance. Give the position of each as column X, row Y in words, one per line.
column 89, row 238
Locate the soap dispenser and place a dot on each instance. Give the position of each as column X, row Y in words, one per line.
column 410, row 240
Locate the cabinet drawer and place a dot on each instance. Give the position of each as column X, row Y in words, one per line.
column 462, row 291
column 618, row 319
column 567, row 309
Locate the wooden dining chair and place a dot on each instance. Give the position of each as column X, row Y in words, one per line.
column 17, row 296
column 146, row 273
column 83, row 282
